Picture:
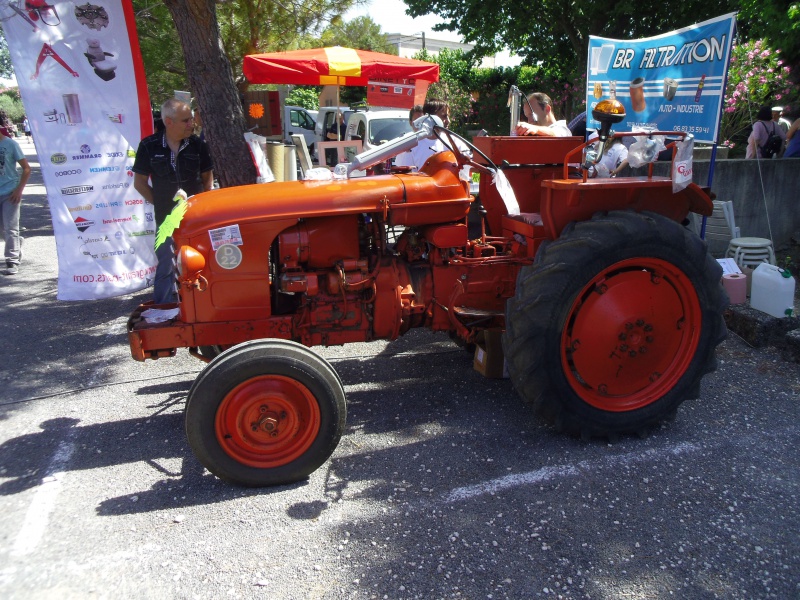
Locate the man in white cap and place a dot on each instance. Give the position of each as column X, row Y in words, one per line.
column 779, row 117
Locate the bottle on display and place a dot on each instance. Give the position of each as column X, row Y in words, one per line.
column 700, row 88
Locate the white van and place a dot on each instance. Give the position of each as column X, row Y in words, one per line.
column 326, row 116
column 377, row 126
column 297, row 120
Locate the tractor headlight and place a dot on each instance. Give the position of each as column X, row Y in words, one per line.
column 190, row 263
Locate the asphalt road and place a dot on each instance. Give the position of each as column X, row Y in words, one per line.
column 443, row 486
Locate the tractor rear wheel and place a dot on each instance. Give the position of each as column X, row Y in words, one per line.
column 266, row 412
column 615, row 324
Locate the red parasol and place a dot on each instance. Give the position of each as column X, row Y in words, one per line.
column 334, row 66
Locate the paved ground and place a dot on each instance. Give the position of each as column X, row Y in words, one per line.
column 443, row 486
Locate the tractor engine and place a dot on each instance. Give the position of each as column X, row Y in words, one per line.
column 333, row 276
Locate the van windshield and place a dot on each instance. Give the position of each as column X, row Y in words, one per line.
column 383, row 130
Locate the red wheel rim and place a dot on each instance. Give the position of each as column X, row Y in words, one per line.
column 631, row 334
column 267, row 421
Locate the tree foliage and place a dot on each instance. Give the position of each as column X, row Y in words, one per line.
column 306, row 96
column 11, row 105
column 165, row 69
column 252, row 26
column 777, row 22
column 6, row 68
column 362, row 33
column 555, row 34
column 245, row 27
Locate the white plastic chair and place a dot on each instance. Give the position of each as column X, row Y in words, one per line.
column 720, row 228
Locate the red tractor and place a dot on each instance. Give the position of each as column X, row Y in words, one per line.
column 610, row 308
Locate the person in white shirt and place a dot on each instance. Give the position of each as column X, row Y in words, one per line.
column 426, row 148
column 614, row 159
column 539, row 108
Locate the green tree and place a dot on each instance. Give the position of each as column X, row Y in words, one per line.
column 453, row 85
column 6, row 68
column 362, row 33
column 555, row 34
column 245, row 27
column 306, row 96
column 252, row 26
column 778, row 23
column 11, row 105
column 160, row 45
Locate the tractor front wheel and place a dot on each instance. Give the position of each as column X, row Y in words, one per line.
column 615, row 324
column 266, row 412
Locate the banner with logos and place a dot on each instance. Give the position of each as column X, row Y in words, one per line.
column 670, row 82
column 81, row 78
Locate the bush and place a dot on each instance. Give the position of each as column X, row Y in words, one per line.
column 11, row 105
column 756, row 77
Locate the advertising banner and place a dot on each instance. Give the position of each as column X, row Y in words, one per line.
column 670, row 82
column 81, row 79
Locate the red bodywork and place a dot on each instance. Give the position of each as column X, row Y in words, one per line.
column 318, row 267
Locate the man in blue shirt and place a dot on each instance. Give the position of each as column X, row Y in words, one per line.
column 12, row 182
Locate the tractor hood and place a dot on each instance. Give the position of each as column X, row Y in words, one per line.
column 309, row 199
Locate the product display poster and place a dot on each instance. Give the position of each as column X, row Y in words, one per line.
column 81, row 79
column 670, row 82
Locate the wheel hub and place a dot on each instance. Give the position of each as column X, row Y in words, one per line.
column 267, row 421
column 627, row 328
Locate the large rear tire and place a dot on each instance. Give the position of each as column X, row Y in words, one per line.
column 615, row 324
column 266, row 412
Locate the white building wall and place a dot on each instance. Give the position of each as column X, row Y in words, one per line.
column 409, row 45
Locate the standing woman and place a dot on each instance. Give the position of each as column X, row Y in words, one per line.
column 762, row 129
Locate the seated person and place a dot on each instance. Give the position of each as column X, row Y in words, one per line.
column 614, row 160
column 541, row 120
column 426, row 148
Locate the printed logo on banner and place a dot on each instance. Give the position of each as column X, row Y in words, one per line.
column 77, row 189
column 83, row 224
column 114, row 186
column 79, row 208
column 111, row 204
column 103, row 169
column 59, row 158
column 93, row 240
column 69, row 172
column 127, row 219
column 115, row 154
column 86, row 153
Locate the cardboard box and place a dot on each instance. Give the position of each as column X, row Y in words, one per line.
column 489, row 359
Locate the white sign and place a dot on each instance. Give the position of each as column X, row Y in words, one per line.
column 82, row 83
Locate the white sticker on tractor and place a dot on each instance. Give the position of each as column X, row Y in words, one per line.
column 225, row 235
column 228, row 256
